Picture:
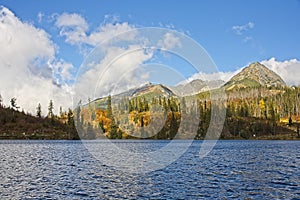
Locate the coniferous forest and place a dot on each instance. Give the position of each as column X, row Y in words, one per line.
column 252, row 113
column 16, row 124
column 256, row 104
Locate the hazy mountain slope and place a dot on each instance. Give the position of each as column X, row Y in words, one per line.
column 195, row 87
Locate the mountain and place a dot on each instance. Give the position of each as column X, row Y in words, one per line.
column 195, row 87
column 255, row 75
column 148, row 91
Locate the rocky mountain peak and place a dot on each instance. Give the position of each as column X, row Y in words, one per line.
column 255, row 75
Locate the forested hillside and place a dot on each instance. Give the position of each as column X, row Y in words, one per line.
column 250, row 113
column 16, row 124
column 259, row 106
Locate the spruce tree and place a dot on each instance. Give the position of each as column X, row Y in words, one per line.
column 39, row 111
column 50, row 111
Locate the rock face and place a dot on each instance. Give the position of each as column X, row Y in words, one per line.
column 195, row 87
column 255, row 75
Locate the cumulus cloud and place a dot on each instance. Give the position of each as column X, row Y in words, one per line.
column 31, row 71
column 74, row 28
column 240, row 29
column 26, row 59
column 122, row 53
column 117, row 72
column 169, row 42
column 62, row 71
column 107, row 31
column 224, row 76
column 289, row 70
column 216, row 76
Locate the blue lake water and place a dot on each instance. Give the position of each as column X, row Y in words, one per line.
column 233, row 169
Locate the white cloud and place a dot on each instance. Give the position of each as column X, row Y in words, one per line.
column 121, row 59
column 247, row 39
column 27, row 55
column 117, row 72
column 62, row 70
column 111, row 19
column 119, row 69
column 240, row 29
column 169, row 42
column 289, row 70
column 107, row 31
column 71, row 20
column 40, row 16
column 224, row 76
column 74, row 28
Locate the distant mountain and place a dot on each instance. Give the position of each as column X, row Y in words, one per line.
column 195, row 87
column 255, row 75
column 148, row 89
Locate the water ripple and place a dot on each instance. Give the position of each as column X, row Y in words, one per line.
column 233, row 170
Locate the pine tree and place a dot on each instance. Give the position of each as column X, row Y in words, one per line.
column 113, row 127
column 109, row 109
column 14, row 106
column 13, row 103
column 1, row 101
column 61, row 114
column 39, row 111
column 173, row 126
column 50, row 111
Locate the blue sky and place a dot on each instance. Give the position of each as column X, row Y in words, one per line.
column 276, row 31
column 45, row 42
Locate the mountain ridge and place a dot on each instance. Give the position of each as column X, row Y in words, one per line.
column 255, row 75
column 195, row 86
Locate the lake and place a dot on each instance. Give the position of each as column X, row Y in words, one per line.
column 233, row 169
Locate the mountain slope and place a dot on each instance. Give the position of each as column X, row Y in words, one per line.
column 195, row 87
column 18, row 125
column 255, row 75
column 148, row 91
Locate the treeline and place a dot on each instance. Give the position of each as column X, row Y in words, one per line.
column 128, row 119
column 263, row 111
column 250, row 113
column 16, row 124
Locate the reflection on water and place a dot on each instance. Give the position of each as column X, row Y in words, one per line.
column 234, row 169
